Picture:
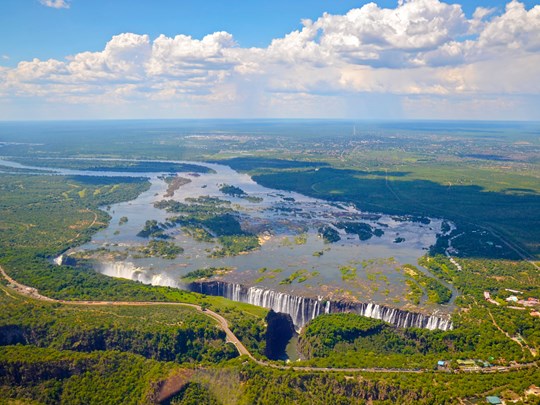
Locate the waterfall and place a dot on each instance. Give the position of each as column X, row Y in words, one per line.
column 304, row 309
column 129, row 271
column 64, row 260
column 395, row 316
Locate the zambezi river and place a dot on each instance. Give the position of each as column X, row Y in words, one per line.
column 293, row 271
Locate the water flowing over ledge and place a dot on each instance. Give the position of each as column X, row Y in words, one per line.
column 129, row 271
column 301, row 309
column 304, row 309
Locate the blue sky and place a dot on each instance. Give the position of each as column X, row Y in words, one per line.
column 30, row 30
column 335, row 64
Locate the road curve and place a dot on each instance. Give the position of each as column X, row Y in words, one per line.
column 231, row 337
column 32, row 292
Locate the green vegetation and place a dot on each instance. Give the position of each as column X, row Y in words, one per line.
column 480, row 327
column 301, row 239
column 299, row 276
column 153, row 230
column 194, row 394
column 479, row 275
column 436, row 291
column 166, row 333
column 201, row 207
column 349, row 340
column 197, row 233
column 223, row 225
column 363, row 230
column 248, row 163
column 206, row 273
column 205, row 217
column 37, row 222
column 348, row 273
column 324, row 332
column 233, row 191
column 123, row 220
column 416, row 293
column 52, row 377
column 174, row 183
column 115, row 165
column 422, row 170
column 404, row 193
column 329, row 234
column 45, row 215
column 253, row 199
column 267, row 274
column 48, row 376
column 236, row 244
column 377, row 388
column 160, row 248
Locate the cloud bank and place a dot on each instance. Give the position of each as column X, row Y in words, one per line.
column 418, row 56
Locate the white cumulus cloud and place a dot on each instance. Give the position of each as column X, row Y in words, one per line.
column 419, row 48
column 55, row 3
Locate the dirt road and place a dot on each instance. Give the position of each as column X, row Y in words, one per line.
column 231, row 337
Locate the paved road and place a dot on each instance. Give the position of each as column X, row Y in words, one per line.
column 231, row 337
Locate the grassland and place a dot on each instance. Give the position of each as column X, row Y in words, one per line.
column 487, row 183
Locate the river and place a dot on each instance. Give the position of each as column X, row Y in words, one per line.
column 365, row 271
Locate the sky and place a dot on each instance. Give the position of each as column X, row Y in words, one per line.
column 399, row 59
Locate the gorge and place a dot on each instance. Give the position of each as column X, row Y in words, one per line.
column 304, row 309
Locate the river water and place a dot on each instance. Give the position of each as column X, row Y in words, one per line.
column 372, row 267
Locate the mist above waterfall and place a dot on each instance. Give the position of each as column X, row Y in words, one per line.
column 129, row 271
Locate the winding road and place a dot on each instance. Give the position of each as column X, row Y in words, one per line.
column 33, row 293
column 231, row 337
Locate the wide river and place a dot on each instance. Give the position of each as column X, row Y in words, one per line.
column 287, row 223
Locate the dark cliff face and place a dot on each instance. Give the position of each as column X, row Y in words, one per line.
column 215, row 288
column 12, row 335
column 278, row 333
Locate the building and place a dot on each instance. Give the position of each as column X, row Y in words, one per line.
column 529, row 302
column 494, row 400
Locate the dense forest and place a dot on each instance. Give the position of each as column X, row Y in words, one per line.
column 49, row 376
column 163, row 333
column 341, row 340
column 52, row 352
